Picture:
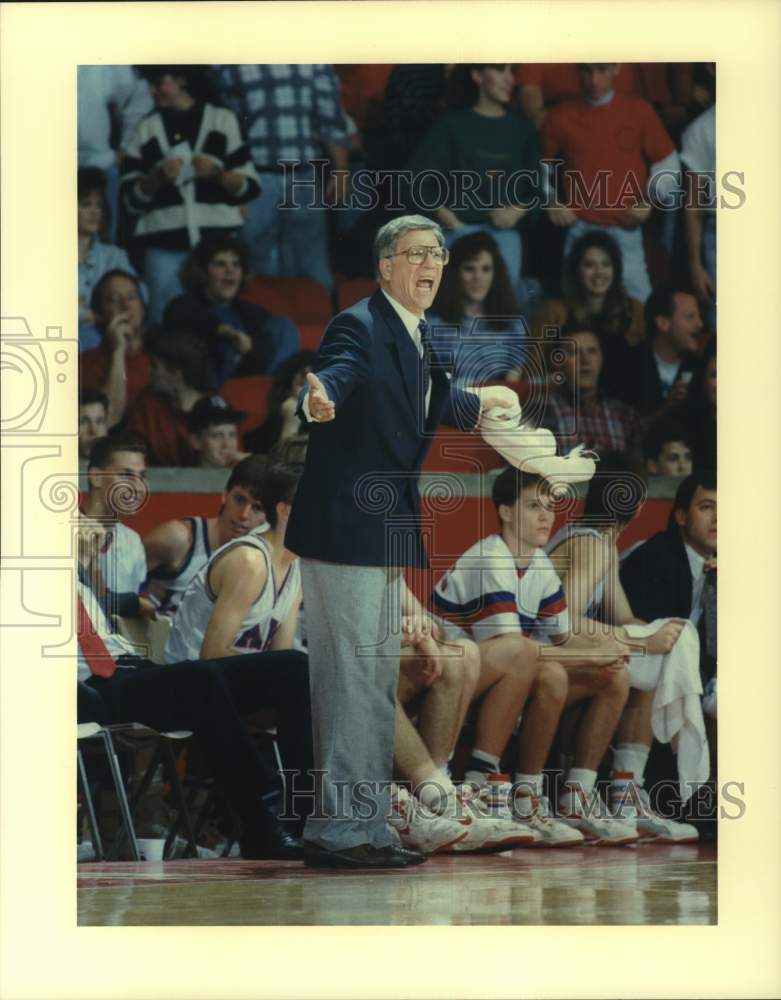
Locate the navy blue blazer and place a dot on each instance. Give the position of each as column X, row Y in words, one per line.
column 358, row 502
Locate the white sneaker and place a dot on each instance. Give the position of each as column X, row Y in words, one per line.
column 529, row 813
column 628, row 802
column 590, row 815
column 536, row 813
column 485, row 832
column 420, row 829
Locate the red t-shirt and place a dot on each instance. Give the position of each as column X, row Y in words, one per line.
column 620, row 139
column 561, row 81
column 164, row 427
column 94, row 365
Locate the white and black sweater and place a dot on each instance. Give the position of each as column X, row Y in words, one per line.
column 176, row 217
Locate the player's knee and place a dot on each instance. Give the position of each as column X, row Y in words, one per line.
column 552, row 682
column 618, row 684
column 470, row 663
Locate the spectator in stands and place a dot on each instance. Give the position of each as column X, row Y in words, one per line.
column 586, row 552
column 186, row 173
column 414, row 99
column 476, row 296
column 594, row 293
column 242, row 338
column 667, row 449
column 615, row 153
column 211, row 698
column 116, row 475
column 95, row 256
column 655, row 375
column 281, row 423
column 93, row 415
column 698, row 154
column 107, row 95
column 291, row 112
column 214, row 433
column 543, row 85
column 119, row 367
column 698, row 411
column 505, row 595
column 492, row 143
column 578, row 412
column 179, row 377
column 177, row 550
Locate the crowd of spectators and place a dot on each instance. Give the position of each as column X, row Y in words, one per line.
column 549, row 180
column 571, row 197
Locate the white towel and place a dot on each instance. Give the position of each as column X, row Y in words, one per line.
column 676, row 711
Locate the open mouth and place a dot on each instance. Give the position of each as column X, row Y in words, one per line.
column 425, row 284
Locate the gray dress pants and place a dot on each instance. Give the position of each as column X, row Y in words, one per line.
column 353, row 634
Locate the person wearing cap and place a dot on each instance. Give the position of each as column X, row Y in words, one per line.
column 214, row 433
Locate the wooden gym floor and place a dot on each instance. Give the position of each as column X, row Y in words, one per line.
column 646, row 885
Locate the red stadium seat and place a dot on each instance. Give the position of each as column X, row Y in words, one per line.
column 249, row 394
column 311, row 334
column 351, row 290
column 301, row 299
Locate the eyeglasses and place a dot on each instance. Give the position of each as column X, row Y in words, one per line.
column 416, row 255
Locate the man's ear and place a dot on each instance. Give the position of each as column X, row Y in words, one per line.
column 195, row 441
column 680, row 517
column 385, row 266
column 652, row 466
column 505, row 513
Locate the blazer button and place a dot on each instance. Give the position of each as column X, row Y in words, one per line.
column 397, row 434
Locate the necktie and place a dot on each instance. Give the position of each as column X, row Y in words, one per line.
column 425, row 343
column 95, row 651
column 708, row 601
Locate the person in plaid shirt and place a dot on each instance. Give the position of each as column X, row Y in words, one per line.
column 576, row 411
column 294, row 113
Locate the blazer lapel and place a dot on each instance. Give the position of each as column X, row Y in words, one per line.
column 407, row 357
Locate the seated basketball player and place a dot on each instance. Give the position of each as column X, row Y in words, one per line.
column 505, row 594
column 436, row 682
column 176, row 550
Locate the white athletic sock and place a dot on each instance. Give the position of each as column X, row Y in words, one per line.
column 432, row 791
column 582, row 776
column 630, row 758
column 527, row 784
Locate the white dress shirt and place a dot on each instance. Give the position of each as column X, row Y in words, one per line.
column 696, row 565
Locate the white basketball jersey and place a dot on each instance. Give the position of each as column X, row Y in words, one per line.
column 485, row 594
column 169, row 588
column 572, row 530
column 271, row 608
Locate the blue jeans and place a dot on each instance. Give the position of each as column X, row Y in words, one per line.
column 287, row 242
column 161, row 270
column 630, row 243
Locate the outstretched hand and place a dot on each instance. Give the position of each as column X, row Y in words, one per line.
column 321, row 408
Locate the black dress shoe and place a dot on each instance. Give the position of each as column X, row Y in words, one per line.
column 275, row 845
column 362, row 856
